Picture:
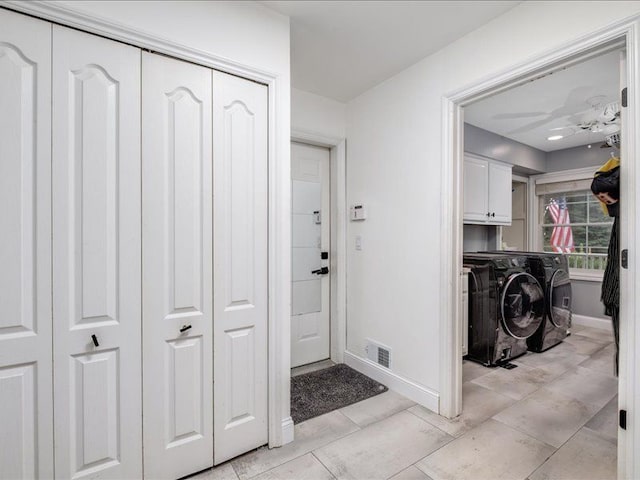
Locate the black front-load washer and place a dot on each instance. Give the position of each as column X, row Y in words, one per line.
column 506, row 306
column 552, row 271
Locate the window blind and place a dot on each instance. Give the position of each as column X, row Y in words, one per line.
column 565, row 186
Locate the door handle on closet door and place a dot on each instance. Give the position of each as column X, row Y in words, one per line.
column 184, row 328
column 95, row 341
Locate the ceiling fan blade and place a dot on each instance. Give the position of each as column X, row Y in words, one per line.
column 508, row 116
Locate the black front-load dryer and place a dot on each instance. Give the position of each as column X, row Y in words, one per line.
column 552, row 271
column 506, row 306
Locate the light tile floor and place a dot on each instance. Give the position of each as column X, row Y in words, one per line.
column 553, row 417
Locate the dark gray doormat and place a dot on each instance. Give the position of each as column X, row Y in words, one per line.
column 322, row 391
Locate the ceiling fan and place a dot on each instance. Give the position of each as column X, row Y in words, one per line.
column 600, row 119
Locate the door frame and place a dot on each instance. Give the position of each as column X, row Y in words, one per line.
column 280, row 424
column 626, row 31
column 338, row 242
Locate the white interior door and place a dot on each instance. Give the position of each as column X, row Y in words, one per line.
column 26, row 419
column 311, row 230
column 177, row 263
column 96, row 266
column 240, row 265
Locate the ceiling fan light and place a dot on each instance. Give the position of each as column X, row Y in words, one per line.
column 555, row 137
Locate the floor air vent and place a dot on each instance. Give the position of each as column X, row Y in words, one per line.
column 379, row 353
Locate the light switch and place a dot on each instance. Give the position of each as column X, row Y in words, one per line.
column 358, row 242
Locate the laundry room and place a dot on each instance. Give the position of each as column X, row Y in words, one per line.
column 536, row 242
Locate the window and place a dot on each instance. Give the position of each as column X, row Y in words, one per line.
column 571, row 220
column 575, row 224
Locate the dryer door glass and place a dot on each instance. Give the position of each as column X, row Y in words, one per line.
column 560, row 299
column 522, row 305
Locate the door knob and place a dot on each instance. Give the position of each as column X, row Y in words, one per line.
column 95, row 340
column 184, row 328
column 321, row 271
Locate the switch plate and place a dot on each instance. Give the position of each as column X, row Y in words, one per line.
column 358, row 242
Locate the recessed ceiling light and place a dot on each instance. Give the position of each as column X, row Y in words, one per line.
column 555, row 137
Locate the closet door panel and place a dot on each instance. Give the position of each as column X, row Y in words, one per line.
column 240, row 265
column 177, row 267
column 97, row 265
column 26, row 417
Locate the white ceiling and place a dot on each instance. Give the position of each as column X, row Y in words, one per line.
column 340, row 49
column 552, row 105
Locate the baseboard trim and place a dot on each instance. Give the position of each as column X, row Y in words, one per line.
column 593, row 322
column 287, row 430
column 419, row 394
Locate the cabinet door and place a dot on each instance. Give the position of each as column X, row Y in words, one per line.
column 177, row 267
column 500, row 197
column 476, row 185
column 26, row 419
column 96, row 267
column 240, row 265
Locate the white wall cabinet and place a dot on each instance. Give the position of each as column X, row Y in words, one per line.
column 108, row 171
column 487, row 191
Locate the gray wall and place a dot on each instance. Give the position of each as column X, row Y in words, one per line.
column 579, row 157
column 477, row 238
column 525, row 160
column 586, row 299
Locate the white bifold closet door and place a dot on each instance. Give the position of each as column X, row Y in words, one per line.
column 26, row 418
column 97, row 260
column 177, row 267
column 240, row 265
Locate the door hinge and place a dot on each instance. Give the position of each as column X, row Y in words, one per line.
column 623, row 97
column 624, row 258
column 623, row 419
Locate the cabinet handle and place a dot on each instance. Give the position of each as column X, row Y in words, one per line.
column 493, row 214
column 488, row 214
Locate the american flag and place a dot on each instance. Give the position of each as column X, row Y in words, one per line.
column 562, row 236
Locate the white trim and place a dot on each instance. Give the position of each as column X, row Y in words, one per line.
column 338, row 259
column 520, row 179
column 585, row 275
column 287, row 430
column 593, row 322
column 279, row 183
column 563, row 176
column 452, row 158
column 413, row 391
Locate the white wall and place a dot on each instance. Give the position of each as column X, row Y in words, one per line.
column 395, row 135
column 244, row 32
column 316, row 115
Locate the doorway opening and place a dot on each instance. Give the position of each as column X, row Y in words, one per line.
column 455, row 145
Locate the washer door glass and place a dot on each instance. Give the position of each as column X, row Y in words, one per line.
column 522, row 305
column 560, row 299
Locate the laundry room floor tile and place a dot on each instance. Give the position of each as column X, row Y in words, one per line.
column 309, row 435
column 586, row 386
column 472, row 370
column 605, row 422
column 411, row 473
column 376, row 408
column 548, row 415
column 306, row 467
column 382, row 449
column 516, row 383
column 586, row 456
column 598, row 334
column 602, row 361
column 555, row 361
column 478, row 405
column 585, row 345
column 490, row 451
